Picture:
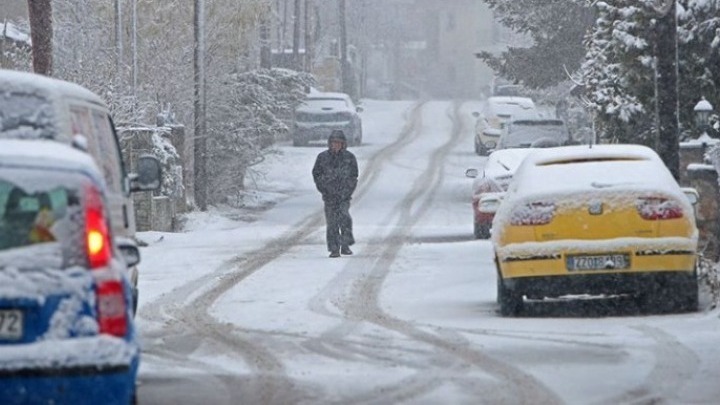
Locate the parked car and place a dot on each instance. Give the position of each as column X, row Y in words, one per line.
column 613, row 220
column 66, row 324
column 491, row 120
column 488, row 189
column 321, row 113
column 534, row 133
column 38, row 107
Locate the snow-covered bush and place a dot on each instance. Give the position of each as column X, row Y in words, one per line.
column 245, row 118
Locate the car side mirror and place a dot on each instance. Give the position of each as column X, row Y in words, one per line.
column 129, row 250
column 476, row 114
column 692, row 195
column 359, row 109
column 472, row 173
column 148, row 176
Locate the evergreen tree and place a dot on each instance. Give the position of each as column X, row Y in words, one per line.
column 557, row 29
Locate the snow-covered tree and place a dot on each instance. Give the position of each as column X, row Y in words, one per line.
column 557, row 29
column 619, row 70
column 244, row 121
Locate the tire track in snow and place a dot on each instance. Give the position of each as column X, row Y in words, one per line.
column 362, row 304
column 192, row 320
column 675, row 364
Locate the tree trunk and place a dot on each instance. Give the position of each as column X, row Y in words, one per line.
column 667, row 91
column 41, row 34
column 308, row 36
column 344, row 65
column 296, row 35
column 265, row 53
column 118, row 40
column 200, row 140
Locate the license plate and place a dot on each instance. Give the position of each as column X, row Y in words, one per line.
column 11, row 324
column 598, row 262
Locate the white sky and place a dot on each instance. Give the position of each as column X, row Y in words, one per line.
column 325, row 324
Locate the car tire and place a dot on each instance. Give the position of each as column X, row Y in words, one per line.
column 510, row 300
column 482, row 231
column 686, row 298
column 135, row 294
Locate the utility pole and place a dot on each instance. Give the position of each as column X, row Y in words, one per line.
column 118, row 40
column 666, row 50
column 296, row 35
column 344, row 64
column 200, row 140
column 308, row 36
column 41, row 34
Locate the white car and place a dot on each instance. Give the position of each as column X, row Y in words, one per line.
column 322, row 113
column 488, row 188
column 496, row 113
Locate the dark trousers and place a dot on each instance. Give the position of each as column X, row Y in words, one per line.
column 339, row 224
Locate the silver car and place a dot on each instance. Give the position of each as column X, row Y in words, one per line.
column 321, row 113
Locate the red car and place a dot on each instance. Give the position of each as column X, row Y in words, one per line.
column 489, row 187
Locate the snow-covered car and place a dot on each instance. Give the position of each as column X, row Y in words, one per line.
column 34, row 106
column 67, row 333
column 534, row 133
column 599, row 219
column 488, row 189
column 493, row 117
column 322, row 113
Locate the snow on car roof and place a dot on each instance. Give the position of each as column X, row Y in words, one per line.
column 34, row 83
column 44, row 153
column 571, row 169
column 505, row 161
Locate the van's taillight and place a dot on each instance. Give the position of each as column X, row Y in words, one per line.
column 97, row 237
column 656, row 208
column 536, row 213
column 112, row 312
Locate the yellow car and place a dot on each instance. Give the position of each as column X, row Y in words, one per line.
column 600, row 219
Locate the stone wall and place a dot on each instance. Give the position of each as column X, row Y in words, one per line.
column 158, row 210
column 695, row 172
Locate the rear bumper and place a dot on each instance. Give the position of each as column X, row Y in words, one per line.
column 72, row 371
column 594, row 284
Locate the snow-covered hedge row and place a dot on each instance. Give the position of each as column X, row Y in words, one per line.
column 247, row 114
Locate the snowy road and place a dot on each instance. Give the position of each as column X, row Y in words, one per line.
column 251, row 310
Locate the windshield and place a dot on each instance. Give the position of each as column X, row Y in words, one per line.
column 325, row 104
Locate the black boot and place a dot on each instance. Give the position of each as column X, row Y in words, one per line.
column 334, row 253
column 346, row 250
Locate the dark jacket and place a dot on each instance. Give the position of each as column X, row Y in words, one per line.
column 335, row 175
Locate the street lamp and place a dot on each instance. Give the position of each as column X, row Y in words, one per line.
column 703, row 109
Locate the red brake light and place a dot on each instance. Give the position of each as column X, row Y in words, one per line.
column 536, row 213
column 112, row 312
column 97, row 238
column 657, row 208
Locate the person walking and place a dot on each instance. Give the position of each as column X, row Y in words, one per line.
column 335, row 173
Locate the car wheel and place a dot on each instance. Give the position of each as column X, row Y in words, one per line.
column 135, row 294
column 482, row 231
column 686, row 297
column 511, row 301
